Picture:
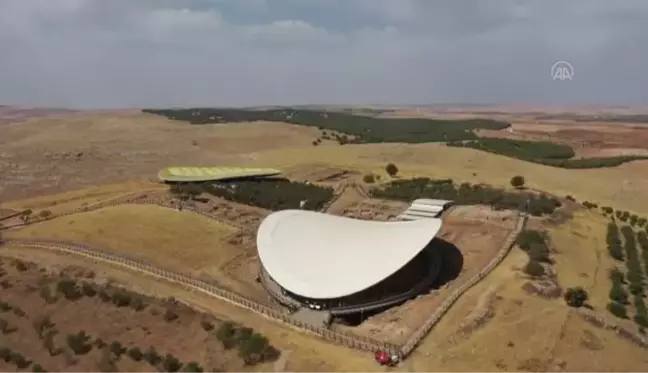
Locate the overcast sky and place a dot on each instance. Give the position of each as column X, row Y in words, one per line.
column 135, row 53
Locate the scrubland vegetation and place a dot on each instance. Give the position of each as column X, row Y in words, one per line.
column 72, row 345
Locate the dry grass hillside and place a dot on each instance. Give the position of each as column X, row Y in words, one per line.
column 65, row 161
column 498, row 326
column 620, row 186
column 38, row 156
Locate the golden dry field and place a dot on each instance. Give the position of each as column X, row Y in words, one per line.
column 523, row 332
column 66, row 161
column 620, row 186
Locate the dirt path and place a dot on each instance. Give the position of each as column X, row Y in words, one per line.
column 351, row 194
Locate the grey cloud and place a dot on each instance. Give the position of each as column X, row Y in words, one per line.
column 95, row 53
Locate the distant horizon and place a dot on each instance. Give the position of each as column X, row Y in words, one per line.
column 539, row 108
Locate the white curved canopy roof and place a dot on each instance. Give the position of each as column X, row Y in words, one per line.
column 322, row 256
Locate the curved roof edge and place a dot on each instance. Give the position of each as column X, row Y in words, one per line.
column 322, row 256
column 192, row 173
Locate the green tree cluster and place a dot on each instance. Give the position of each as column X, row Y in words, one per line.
column 466, row 194
column 272, row 194
column 357, row 128
column 642, row 240
column 252, row 347
column 635, row 274
column 614, row 242
column 542, row 152
column 618, row 294
column 534, row 243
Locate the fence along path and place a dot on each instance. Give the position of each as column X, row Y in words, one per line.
column 408, row 347
column 276, row 314
column 134, row 199
column 349, row 340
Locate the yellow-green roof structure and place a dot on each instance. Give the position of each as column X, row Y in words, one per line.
column 189, row 174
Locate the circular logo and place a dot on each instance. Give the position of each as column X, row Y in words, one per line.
column 562, row 70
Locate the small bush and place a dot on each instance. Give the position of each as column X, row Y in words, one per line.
column 517, row 181
column 618, row 293
column 391, row 169
column 170, row 363
column 5, row 354
column 528, row 237
column 369, row 178
column 4, row 306
column 539, row 252
column 641, row 320
column 534, row 269
column 152, row 356
column 117, row 349
column 5, row 327
column 42, row 324
column 21, row 266
column 48, row 343
column 206, row 325
column 88, row 289
column 20, row 361
column 255, row 349
column 104, row 295
column 121, row 298
column 135, row 353
column 169, row 315
column 79, row 343
column 44, row 214
column 192, row 366
column 226, row 334
column 46, row 295
column 69, row 289
column 618, row 310
column 137, row 304
column 576, row 297
column 38, row 368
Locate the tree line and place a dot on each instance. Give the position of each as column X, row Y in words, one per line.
column 270, row 194
column 542, row 152
column 634, row 279
column 361, row 129
column 467, row 194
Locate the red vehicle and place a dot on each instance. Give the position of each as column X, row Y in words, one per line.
column 383, row 358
